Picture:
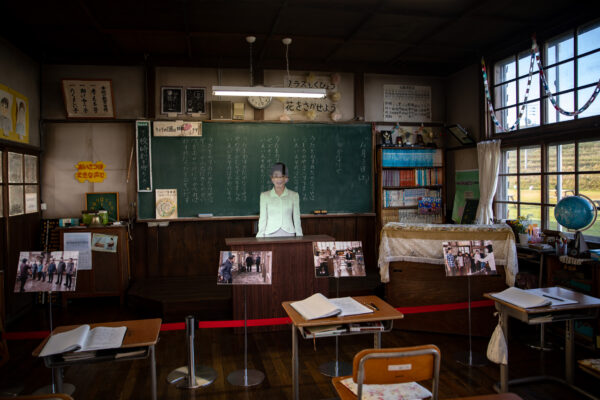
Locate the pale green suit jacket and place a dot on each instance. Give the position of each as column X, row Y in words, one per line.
column 279, row 212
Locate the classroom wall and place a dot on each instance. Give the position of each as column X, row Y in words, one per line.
column 68, row 143
column 20, row 73
column 463, row 107
column 127, row 84
column 374, row 94
column 209, row 77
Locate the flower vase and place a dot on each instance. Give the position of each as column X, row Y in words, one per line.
column 523, row 239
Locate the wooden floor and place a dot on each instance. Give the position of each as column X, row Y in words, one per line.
column 271, row 353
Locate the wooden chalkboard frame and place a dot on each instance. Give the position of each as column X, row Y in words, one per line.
column 366, row 212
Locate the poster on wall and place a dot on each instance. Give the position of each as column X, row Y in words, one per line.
column 406, row 103
column 467, row 187
column 14, row 115
column 88, row 98
column 313, row 109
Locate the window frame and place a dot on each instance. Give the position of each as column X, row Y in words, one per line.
column 5, row 184
column 543, row 99
column 545, row 204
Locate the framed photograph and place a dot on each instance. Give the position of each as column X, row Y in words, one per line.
column 386, row 138
column 249, row 267
column 39, row 271
column 338, row 259
column 460, row 134
column 104, row 201
column 469, row 257
column 171, row 100
column 88, row 98
column 195, row 100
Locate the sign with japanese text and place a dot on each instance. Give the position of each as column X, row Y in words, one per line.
column 86, row 98
column 90, row 171
column 406, row 103
column 144, row 155
column 177, row 128
column 320, row 108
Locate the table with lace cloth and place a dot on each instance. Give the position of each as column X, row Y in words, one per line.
column 422, row 243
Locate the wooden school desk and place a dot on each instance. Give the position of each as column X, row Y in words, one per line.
column 139, row 342
column 386, row 314
column 586, row 308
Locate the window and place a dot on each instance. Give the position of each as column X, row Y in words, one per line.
column 22, row 184
column 533, row 179
column 572, row 68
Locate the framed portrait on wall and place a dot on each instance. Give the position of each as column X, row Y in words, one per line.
column 171, row 100
column 195, row 100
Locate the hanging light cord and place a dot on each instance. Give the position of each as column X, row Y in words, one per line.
column 287, row 62
column 251, row 72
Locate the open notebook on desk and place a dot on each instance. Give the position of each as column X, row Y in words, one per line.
column 319, row 306
column 531, row 298
column 84, row 339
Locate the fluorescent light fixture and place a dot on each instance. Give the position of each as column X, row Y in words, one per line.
column 268, row 92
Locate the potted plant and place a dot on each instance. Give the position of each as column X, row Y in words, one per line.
column 519, row 227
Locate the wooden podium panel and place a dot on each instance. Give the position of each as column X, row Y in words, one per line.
column 293, row 276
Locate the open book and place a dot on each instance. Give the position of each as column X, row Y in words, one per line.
column 84, row 339
column 319, row 306
column 530, row 298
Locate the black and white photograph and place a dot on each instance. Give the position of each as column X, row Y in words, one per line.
column 39, row 271
column 195, row 100
column 171, row 100
column 245, row 268
column 469, row 257
column 338, row 259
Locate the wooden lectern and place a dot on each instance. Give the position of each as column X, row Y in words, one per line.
column 293, row 275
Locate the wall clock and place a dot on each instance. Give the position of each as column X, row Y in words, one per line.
column 259, row 102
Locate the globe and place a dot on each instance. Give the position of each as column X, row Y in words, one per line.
column 575, row 212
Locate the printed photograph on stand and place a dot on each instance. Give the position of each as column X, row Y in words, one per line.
column 245, row 268
column 339, row 259
column 39, row 271
column 469, row 257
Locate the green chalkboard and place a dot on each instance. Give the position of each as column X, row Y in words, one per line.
column 223, row 172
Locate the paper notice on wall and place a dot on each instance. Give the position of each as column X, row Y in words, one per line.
column 81, row 242
column 406, row 103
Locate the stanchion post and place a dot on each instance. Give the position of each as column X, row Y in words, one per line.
column 188, row 377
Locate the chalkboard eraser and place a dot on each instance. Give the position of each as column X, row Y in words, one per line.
column 317, row 212
column 205, row 215
column 323, row 211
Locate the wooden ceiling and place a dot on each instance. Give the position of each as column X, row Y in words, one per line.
column 423, row 37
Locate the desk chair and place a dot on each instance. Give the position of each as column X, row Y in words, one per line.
column 392, row 366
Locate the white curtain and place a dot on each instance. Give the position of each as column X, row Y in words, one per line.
column 488, row 156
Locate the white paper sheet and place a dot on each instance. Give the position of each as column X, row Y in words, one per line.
column 82, row 242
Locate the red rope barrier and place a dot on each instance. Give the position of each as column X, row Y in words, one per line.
column 177, row 326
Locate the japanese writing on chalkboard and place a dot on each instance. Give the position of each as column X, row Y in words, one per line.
column 88, row 98
column 406, row 103
column 144, row 157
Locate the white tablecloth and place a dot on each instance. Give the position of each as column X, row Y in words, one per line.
column 423, row 243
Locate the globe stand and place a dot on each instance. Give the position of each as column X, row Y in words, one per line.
column 579, row 243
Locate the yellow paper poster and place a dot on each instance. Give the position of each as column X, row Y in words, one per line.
column 90, row 171
column 14, row 115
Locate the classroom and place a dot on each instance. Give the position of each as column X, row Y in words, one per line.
column 300, row 200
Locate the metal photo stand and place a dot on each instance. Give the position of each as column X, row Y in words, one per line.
column 190, row 377
column 469, row 358
column 246, row 377
column 66, row 388
column 336, row 368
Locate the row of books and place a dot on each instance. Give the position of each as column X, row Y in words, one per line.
column 411, row 158
column 412, row 177
column 328, row 330
column 429, row 205
column 407, row 197
column 410, row 216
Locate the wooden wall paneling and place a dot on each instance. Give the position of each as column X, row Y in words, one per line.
column 153, row 266
column 22, row 234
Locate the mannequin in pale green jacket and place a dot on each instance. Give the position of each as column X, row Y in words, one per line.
column 279, row 207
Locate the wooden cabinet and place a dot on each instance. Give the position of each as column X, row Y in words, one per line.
column 109, row 275
column 406, row 174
